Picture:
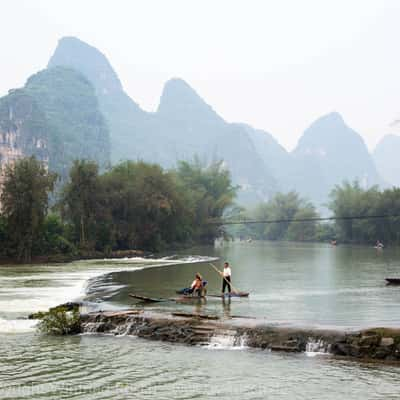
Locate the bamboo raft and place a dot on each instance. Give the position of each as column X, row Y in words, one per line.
column 146, row 299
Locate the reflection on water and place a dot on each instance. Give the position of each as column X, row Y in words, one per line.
column 295, row 283
column 93, row 367
column 311, row 284
column 301, row 284
column 226, row 307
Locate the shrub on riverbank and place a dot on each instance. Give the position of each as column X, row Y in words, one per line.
column 59, row 321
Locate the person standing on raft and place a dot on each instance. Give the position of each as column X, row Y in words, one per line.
column 226, row 278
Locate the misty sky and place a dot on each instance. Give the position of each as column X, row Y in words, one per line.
column 276, row 65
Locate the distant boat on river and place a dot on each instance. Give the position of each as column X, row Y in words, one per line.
column 393, row 281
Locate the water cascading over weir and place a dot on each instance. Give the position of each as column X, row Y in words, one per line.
column 209, row 330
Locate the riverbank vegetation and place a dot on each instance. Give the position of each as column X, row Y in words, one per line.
column 137, row 205
column 285, row 208
column 346, row 200
column 351, row 199
column 133, row 205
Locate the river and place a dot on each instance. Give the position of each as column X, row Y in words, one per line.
column 289, row 283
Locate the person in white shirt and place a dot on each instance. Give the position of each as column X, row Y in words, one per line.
column 226, row 278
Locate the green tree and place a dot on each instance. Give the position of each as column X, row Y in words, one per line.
column 209, row 193
column 303, row 231
column 140, row 205
column 146, row 204
column 54, row 237
column 326, row 232
column 4, row 237
column 351, row 200
column 284, row 207
column 80, row 202
column 24, row 202
column 388, row 229
column 260, row 213
column 237, row 213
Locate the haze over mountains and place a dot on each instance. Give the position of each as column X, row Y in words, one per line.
column 185, row 126
column 386, row 157
column 55, row 117
column 329, row 152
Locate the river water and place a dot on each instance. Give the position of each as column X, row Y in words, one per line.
column 289, row 283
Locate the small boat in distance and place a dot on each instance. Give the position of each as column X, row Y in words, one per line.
column 393, row 281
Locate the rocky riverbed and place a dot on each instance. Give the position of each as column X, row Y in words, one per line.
column 199, row 329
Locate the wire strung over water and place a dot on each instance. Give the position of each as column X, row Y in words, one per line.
column 315, row 219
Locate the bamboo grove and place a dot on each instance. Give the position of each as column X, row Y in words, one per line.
column 137, row 205
column 133, row 205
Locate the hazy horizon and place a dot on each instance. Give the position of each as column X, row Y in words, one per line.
column 277, row 66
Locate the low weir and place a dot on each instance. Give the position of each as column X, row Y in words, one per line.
column 208, row 330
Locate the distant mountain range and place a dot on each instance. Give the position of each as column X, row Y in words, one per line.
column 55, row 117
column 185, row 126
column 329, row 152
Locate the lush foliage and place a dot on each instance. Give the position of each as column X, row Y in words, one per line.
column 351, row 199
column 147, row 207
column 283, row 208
column 80, row 201
column 136, row 205
column 59, row 321
column 208, row 193
column 24, row 202
column 346, row 200
column 133, row 205
column 139, row 205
